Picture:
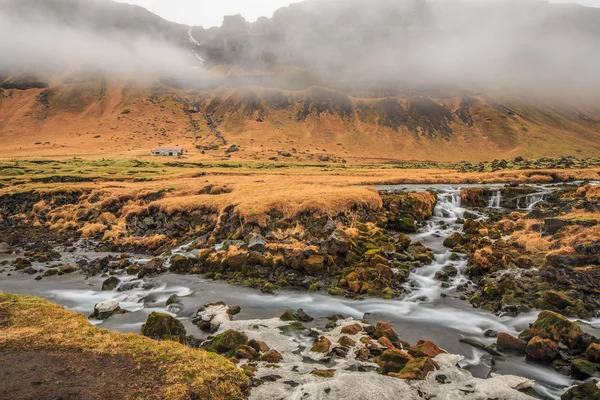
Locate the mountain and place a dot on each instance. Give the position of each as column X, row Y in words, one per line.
column 322, row 80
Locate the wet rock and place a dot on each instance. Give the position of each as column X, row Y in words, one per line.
column 153, row 267
column 425, row 349
column 160, row 326
column 245, row 352
column 557, row 299
column 351, row 329
column 582, row 369
column 417, row 369
column 182, row 265
column 304, row 317
column 392, row 360
column 491, row 333
column 321, row 346
column 21, row 263
column 269, row 288
column 383, row 329
column 585, row 391
column 211, row 316
column 271, row 357
column 257, row 243
column 227, row 342
column 509, row 344
column 324, row 373
column 111, row 283
column 67, row 269
column 51, row 272
column 543, row 350
column 593, row 352
column 107, row 309
column 30, row 271
column 345, row 341
column 172, row 299
column 258, row 345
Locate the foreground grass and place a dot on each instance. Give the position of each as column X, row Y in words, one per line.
column 30, row 323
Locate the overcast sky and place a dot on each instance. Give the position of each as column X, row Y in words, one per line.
column 210, row 13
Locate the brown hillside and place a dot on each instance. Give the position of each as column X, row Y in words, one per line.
column 92, row 117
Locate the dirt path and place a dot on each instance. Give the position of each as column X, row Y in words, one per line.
column 69, row 375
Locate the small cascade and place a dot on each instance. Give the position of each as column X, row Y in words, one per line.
column 495, row 200
column 528, row 202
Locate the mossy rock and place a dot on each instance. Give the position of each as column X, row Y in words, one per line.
column 321, row 346
column 160, row 326
column 289, row 315
column 227, row 342
column 259, row 346
column 383, row 329
column 417, row 369
column 269, row 288
column 551, row 325
column 425, row 349
column 558, row 300
column 456, row 239
column 392, row 360
column 582, row 369
column 543, row 350
column 111, row 283
column 593, row 352
column 351, row 329
column 387, row 293
column 585, row 391
column 271, row 357
column 345, row 341
column 245, row 353
column 336, row 291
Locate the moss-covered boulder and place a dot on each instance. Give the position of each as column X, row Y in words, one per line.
column 585, row 391
column 543, row 350
column 289, row 315
column 425, row 349
column 383, row 329
column 417, row 369
column 509, row 344
column 245, row 353
column 392, row 360
column 321, row 346
column 582, row 369
column 227, row 342
column 111, row 283
column 593, row 352
column 181, row 264
column 551, row 325
column 160, row 326
column 454, row 240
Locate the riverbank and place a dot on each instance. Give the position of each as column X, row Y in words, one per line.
column 104, row 360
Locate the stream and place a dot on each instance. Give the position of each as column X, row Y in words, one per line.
column 428, row 312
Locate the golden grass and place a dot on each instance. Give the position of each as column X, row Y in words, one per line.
column 30, row 323
column 92, row 230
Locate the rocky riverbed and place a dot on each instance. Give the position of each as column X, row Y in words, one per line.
column 421, row 263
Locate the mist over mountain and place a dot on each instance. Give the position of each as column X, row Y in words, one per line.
column 445, row 79
column 356, row 44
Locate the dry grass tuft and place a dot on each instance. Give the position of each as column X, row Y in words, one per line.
column 91, row 230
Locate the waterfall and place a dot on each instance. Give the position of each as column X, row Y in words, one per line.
column 495, row 200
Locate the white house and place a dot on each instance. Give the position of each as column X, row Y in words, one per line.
column 168, row 151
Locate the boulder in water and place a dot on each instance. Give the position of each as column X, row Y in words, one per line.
column 454, row 240
column 416, row 369
column 383, row 329
column 321, row 346
column 544, row 350
column 593, row 352
column 585, row 391
column 425, row 349
column 161, row 326
column 582, row 369
column 227, row 342
column 551, row 325
column 392, row 360
column 107, row 309
column 510, row 344
column 111, row 283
